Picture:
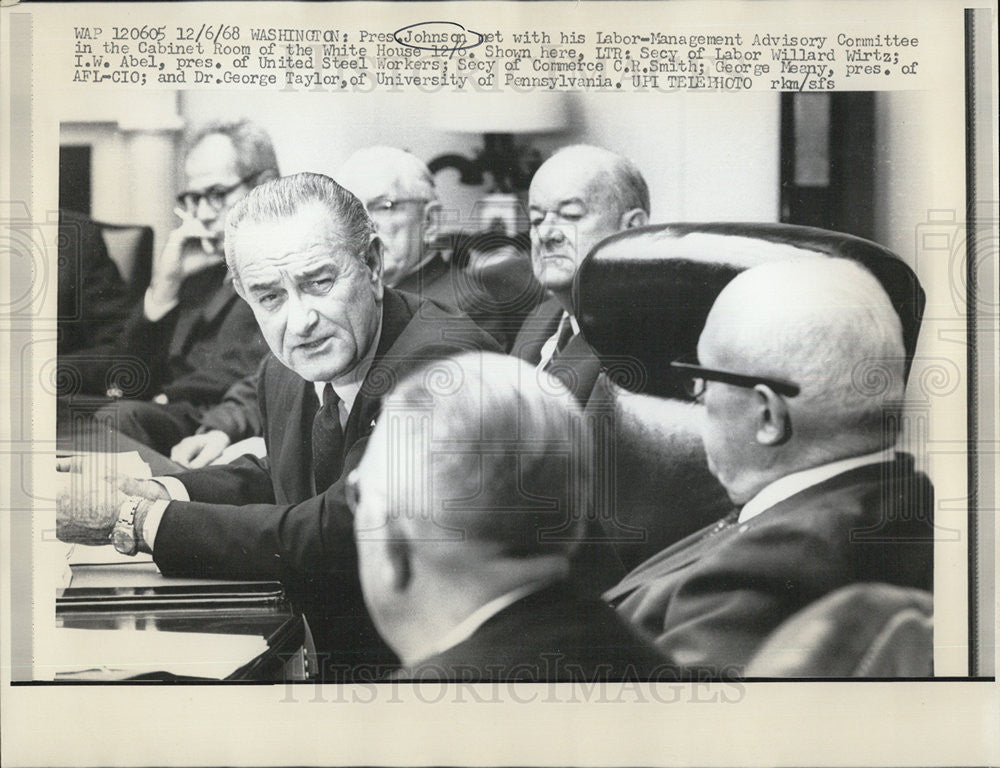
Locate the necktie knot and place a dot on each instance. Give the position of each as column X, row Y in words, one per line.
column 330, row 398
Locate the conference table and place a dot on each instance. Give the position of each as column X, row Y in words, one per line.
column 119, row 618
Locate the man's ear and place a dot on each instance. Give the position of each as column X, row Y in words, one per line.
column 398, row 556
column 373, row 260
column 634, row 218
column 774, row 423
column 432, row 221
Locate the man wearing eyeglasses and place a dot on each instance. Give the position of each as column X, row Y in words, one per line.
column 578, row 197
column 801, row 365
column 306, row 259
column 192, row 336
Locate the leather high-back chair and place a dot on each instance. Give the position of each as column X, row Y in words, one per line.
column 642, row 297
column 130, row 246
column 863, row 630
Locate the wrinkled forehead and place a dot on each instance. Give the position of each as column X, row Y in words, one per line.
column 308, row 239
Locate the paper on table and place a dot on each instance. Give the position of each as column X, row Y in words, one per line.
column 81, row 554
column 116, row 654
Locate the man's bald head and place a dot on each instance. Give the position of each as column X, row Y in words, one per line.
column 824, row 324
column 578, row 197
column 398, row 191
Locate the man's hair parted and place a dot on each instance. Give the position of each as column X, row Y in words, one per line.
column 283, row 198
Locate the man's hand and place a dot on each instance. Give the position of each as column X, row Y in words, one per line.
column 200, row 450
column 190, row 248
column 87, row 509
column 87, row 515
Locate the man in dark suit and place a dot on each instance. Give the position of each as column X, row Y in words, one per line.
column 579, row 196
column 304, row 256
column 465, row 546
column 192, row 337
column 802, row 363
column 92, row 301
column 400, row 196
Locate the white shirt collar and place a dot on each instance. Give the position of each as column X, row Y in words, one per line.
column 787, row 486
column 348, row 392
column 468, row 626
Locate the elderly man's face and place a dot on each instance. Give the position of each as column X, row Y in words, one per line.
column 399, row 222
column 213, row 184
column 317, row 304
column 569, row 213
column 400, row 213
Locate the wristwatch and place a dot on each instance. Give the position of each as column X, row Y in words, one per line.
column 124, row 536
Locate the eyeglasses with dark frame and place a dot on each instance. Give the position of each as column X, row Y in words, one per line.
column 216, row 195
column 694, row 377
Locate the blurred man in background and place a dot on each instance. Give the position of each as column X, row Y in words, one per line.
column 469, row 504
column 192, row 337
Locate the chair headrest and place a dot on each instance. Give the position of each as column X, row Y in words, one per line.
column 642, row 296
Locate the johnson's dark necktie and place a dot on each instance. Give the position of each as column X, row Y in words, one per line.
column 327, row 441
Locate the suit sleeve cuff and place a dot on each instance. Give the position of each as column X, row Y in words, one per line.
column 152, row 522
column 155, row 310
column 174, row 487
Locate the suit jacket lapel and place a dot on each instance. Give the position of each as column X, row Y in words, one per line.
column 396, row 315
column 291, row 438
column 197, row 310
column 536, row 330
column 675, row 557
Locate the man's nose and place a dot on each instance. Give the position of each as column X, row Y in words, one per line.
column 204, row 210
column 551, row 230
column 302, row 317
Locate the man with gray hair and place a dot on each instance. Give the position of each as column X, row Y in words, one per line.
column 803, row 442
column 305, row 257
column 578, row 197
column 469, row 503
column 399, row 194
column 192, row 336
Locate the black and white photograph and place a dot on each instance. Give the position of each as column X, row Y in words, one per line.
column 537, row 355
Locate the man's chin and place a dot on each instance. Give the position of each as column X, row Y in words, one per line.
column 319, row 370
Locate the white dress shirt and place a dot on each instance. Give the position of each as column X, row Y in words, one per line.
column 787, row 486
column 549, row 347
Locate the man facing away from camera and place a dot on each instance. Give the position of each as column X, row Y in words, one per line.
column 804, row 446
column 469, row 503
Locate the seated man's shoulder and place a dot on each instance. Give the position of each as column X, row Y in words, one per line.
column 437, row 326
